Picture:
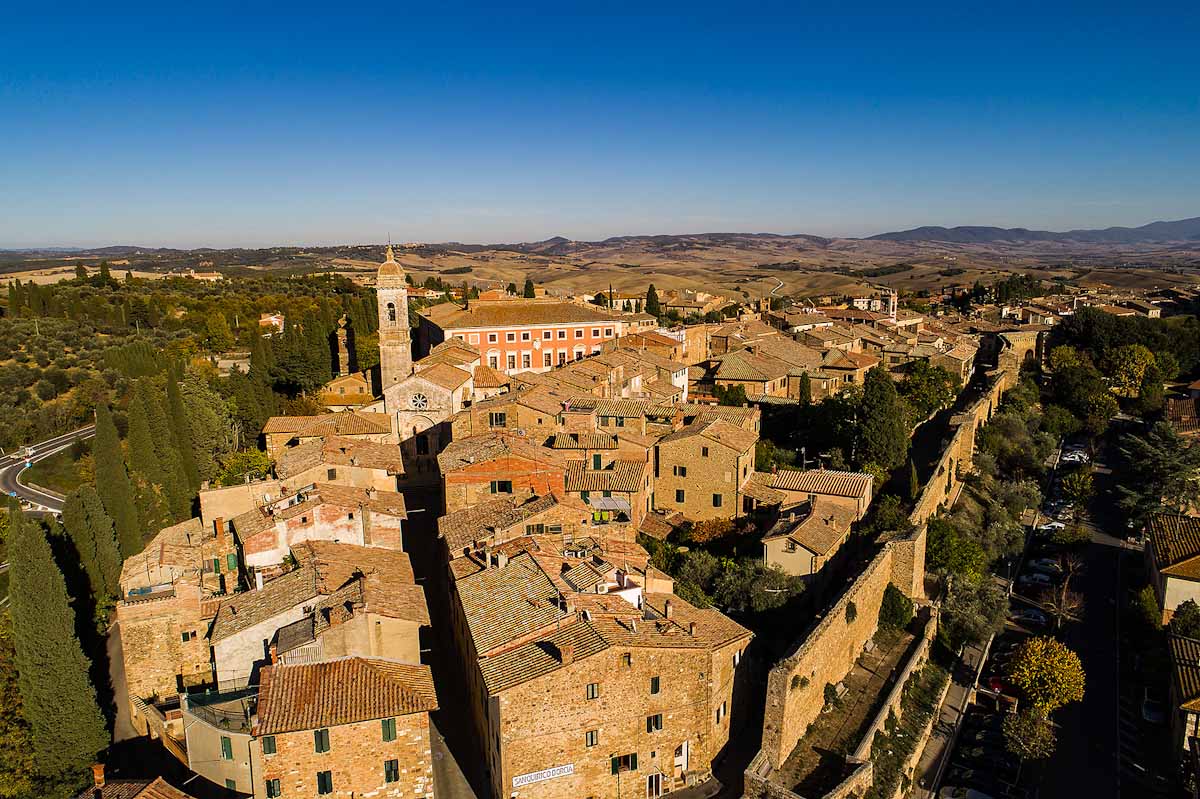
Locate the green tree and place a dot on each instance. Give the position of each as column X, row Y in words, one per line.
column 528, row 293
column 1078, row 486
column 113, row 483
column 652, row 305
column 734, row 396
column 914, row 482
column 1186, row 620
column 1048, row 673
column 145, row 470
column 181, row 434
column 884, row 434
column 1127, row 367
column 80, row 272
column 805, row 389
column 974, row 609
column 1028, row 735
column 1158, row 472
column 896, row 609
column 172, row 477
column 218, row 337
column 927, row 388
column 248, row 463
column 57, row 697
column 17, row 775
column 91, row 530
column 948, row 550
column 512, row 289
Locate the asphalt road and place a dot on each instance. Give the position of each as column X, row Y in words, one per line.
column 11, row 467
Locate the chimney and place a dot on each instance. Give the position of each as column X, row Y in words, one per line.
column 258, row 580
column 669, row 609
column 98, row 774
column 501, row 560
column 633, row 625
column 219, row 529
column 274, row 654
column 692, row 628
column 566, row 654
column 371, row 492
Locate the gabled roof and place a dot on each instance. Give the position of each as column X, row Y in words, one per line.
column 462, row 528
column 743, row 365
column 624, row 477
column 583, row 440
column 444, row 375
column 718, row 431
column 158, row 788
column 338, row 451
column 504, row 603
column 516, row 313
column 1183, row 415
column 481, row 448
column 310, row 696
column 487, row 377
column 1185, row 671
column 818, row 528
column 343, row 423
column 819, row 481
column 1176, row 544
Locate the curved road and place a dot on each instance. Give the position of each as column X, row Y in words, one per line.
column 11, row 467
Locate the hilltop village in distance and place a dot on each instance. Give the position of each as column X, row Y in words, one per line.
column 505, row 542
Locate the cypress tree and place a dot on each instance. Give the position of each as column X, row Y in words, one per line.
column 92, row 532
column 914, row 484
column 57, row 698
column 113, row 483
column 529, row 292
column 182, row 433
column 145, row 470
column 805, row 389
column 173, row 477
column 883, row 431
column 652, row 306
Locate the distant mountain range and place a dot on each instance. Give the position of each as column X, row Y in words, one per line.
column 1178, row 231
column 1182, row 230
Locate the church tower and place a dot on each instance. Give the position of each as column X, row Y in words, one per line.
column 395, row 341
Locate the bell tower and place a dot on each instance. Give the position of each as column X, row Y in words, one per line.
column 395, row 341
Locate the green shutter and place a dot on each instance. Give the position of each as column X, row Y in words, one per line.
column 616, row 765
column 231, row 561
column 268, row 745
column 226, row 748
column 389, row 729
column 216, row 565
column 633, row 762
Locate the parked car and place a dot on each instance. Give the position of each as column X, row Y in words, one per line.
column 1047, row 565
column 1029, row 616
column 1046, row 527
column 1035, row 580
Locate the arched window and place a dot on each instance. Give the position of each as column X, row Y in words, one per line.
column 391, row 308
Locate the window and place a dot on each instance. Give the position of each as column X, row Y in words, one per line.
column 721, row 713
column 579, row 332
column 789, row 546
column 331, row 474
column 494, row 361
column 562, row 334
column 526, row 360
column 704, row 452
column 268, row 744
column 473, row 338
column 654, row 723
column 324, row 783
column 624, row 763
column 547, row 335
column 547, row 359
column 605, row 421
column 321, row 740
column 593, row 690
column 391, row 310
column 231, row 784
column 501, row 487
column 627, row 659
column 389, row 729
column 498, row 419
column 591, row 738
column 608, row 332
column 491, row 338
column 717, row 500
column 655, row 684
column 595, row 460
column 737, row 658
column 391, row 771
column 595, row 332
column 619, row 421
column 185, row 636
column 679, row 495
column 226, row 748
column 273, row 789
column 510, row 336
column 535, row 529
column 562, row 357
column 512, row 360
column 304, row 520
column 680, row 471
column 524, row 335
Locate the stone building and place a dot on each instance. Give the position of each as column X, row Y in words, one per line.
column 1173, row 560
column 281, row 432
column 701, row 469
column 395, row 340
column 591, row 678
column 483, row 467
column 333, row 459
column 806, row 536
column 320, row 512
column 343, row 728
column 852, row 490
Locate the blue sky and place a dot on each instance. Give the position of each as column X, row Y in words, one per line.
column 243, row 125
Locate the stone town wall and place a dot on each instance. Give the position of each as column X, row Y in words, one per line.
column 796, row 685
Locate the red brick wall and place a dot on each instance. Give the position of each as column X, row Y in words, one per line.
column 472, row 485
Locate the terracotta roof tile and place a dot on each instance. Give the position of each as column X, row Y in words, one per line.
column 343, row 423
column 624, row 477
column 313, row 695
column 445, row 375
column 821, row 481
column 1176, row 544
column 338, row 451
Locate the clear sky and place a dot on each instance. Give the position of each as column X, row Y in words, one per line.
column 231, row 125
